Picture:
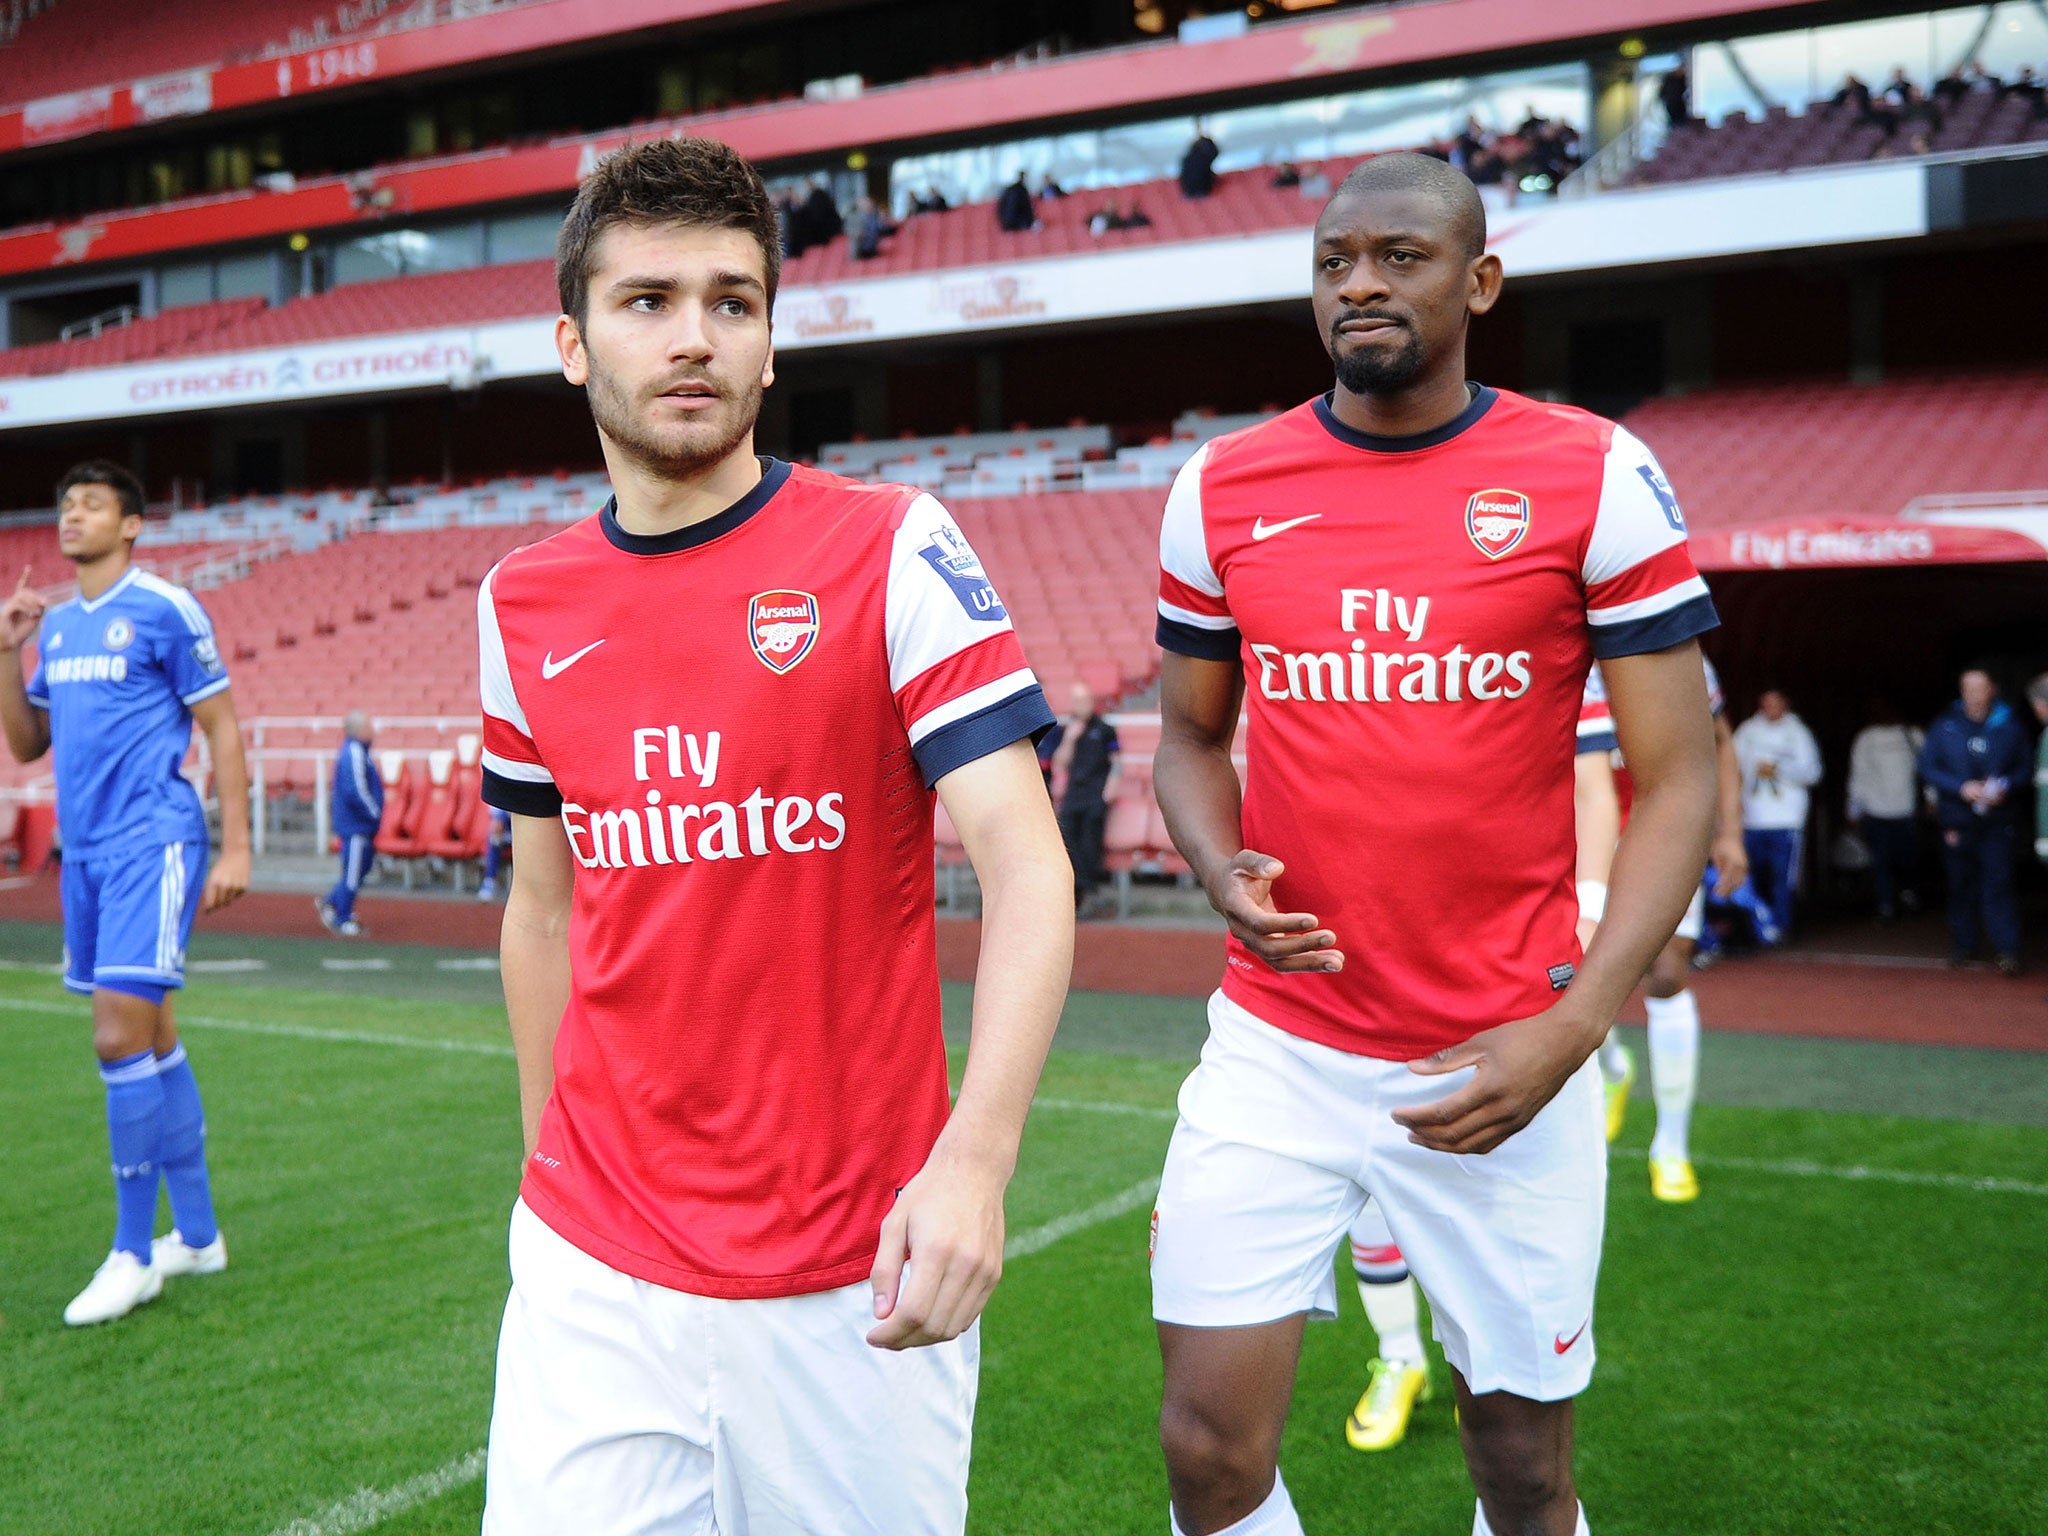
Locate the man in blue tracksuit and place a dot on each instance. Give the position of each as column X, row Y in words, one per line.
column 1975, row 756
column 356, row 809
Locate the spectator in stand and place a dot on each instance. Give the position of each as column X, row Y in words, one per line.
column 1050, row 190
column 1084, row 750
column 497, row 843
column 2037, row 696
column 355, row 808
column 1014, row 214
column 869, row 229
column 1962, row 81
column 1780, row 763
column 1854, row 95
column 1884, row 802
column 1674, row 93
column 1286, row 175
column 1472, row 142
column 818, row 220
column 2026, row 84
column 1198, row 166
column 1975, row 755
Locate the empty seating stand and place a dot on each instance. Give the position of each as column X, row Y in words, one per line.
column 1829, row 447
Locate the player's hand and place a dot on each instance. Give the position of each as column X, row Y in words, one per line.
column 228, row 878
column 1731, row 864
column 940, row 1256
column 1287, row 941
column 1972, row 791
column 20, row 615
column 1520, row 1066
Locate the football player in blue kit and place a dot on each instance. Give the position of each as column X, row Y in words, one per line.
column 124, row 670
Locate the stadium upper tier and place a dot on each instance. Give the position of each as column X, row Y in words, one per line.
column 1836, row 133
column 76, row 44
column 1243, row 202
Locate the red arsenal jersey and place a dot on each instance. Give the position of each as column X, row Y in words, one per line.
column 739, row 725
column 1415, row 617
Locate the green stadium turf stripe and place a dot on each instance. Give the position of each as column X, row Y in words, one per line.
column 1801, row 1169
column 370, row 1507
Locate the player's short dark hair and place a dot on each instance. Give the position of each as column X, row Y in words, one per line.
column 1450, row 188
column 664, row 181
column 105, row 472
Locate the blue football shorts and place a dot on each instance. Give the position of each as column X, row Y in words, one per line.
column 128, row 916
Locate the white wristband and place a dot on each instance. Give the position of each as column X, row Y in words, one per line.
column 1592, row 900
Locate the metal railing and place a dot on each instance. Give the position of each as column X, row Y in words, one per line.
column 268, row 764
column 94, row 325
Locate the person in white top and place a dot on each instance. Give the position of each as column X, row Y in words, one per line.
column 1780, row 762
column 1884, row 799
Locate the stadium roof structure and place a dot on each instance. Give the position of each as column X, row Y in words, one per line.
column 1339, row 46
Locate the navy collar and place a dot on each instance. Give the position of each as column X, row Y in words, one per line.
column 1481, row 402
column 774, row 472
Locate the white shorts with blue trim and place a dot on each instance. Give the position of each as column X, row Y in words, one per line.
column 1280, row 1143
column 128, row 915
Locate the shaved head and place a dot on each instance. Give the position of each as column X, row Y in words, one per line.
column 1441, row 183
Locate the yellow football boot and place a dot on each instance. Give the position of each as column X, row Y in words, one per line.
column 1380, row 1420
column 1672, row 1180
column 1617, row 1095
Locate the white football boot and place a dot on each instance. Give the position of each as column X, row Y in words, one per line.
column 118, row 1287
column 171, row 1256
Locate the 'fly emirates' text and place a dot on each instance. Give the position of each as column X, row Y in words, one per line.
column 671, row 831
column 1361, row 675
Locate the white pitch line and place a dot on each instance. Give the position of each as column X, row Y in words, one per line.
column 370, row 1507
column 287, row 1031
column 1795, row 1168
column 1106, row 1107
column 371, row 964
column 1799, row 1168
column 1122, row 1203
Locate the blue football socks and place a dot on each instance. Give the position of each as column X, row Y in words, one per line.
column 184, row 1150
column 135, row 1130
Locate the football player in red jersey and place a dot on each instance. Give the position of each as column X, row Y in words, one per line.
column 1407, row 579
column 752, row 1239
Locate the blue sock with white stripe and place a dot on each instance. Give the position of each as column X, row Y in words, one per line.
column 184, row 1150
column 135, row 1131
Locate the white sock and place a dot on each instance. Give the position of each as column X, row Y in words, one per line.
column 1674, row 1069
column 1275, row 1517
column 1481, row 1528
column 1391, row 1310
column 1613, row 1058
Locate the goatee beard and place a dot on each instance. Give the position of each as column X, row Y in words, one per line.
column 1380, row 372
column 613, row 413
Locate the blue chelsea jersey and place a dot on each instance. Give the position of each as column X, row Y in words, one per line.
column 119, row 676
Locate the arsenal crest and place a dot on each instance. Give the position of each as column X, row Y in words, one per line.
column 1496, row 521
column 782, row 627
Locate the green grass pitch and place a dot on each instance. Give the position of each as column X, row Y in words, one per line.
column 1803, row 1351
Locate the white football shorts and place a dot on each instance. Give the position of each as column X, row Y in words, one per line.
column 626, row 1407
column 1281, row 1141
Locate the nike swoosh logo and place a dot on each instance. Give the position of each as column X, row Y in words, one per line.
column 551, row 668
column 1561, row 1344
column 1262, row 531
